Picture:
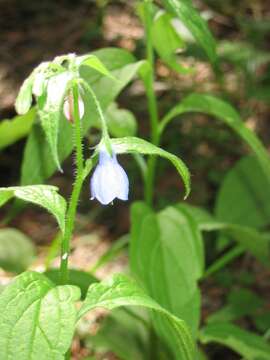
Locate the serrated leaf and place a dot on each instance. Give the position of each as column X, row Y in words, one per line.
column 137, row 145
column 17, row 251
column 123, row 291
column 223, row 111
column 24, row 99
column 50, row 111
column 37, row 319
column 43, row 195
column 11, row 130
column 38, row 164
column 247, row 344
column 195, row 24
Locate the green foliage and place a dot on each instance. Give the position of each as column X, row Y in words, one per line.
column 251, row 239
column 37, row 319
column 242, row 54
column 17, row 251
column 24, row 98
column 214, row 106
column 247, row 344
column 158, row 241
column 122, row 335
column 137, row 145
column 262, row 321
column 50, row 108
column 43, row 195
column 242, row 198
column 121, row 122
column 123, row 67
column 16, row 128
column 122, row 291
column 240, row 303
column 167, row 41
column 38, row 312
column 184, row 10
column 93, row 62
column 78, row 278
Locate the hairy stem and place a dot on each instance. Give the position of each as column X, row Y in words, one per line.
column 152, row 101
column 72, row 207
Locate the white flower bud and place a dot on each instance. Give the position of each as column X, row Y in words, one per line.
column 68, row 108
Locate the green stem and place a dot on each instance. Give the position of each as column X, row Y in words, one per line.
column 224, row 260
column 72, row 208
column 105, row 132
column 152, row 101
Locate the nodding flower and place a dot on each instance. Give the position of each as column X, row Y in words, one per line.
column 109, row 180
column 68, row 108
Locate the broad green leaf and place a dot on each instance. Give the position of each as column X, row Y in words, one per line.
column 137, row 145
column 93, row 62
column 24, row 98
column 253, row 241
column 200, row 215
column 249, row 345
column 214, row 106
column 166, row 254
column 50, row 110
column 43, row 195
column 157, row 243
column 38, row 164
column 78, row 278
column 123, row 291
column 184, row 10
column 167, row 41
column 119, row 333
column 17, row 251
column 121, row 122
column 37, row 319
column 240, row 302
column 243, row 196
column 12, row 130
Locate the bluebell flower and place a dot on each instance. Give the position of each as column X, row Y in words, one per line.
column 109, row 180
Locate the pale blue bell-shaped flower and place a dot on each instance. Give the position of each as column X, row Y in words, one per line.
column 109, row 180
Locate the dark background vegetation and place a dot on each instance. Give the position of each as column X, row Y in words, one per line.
column 32, row 31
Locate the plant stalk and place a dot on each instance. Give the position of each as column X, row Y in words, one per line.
column 72, row 207
column 152, row 101
column 221, row 262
